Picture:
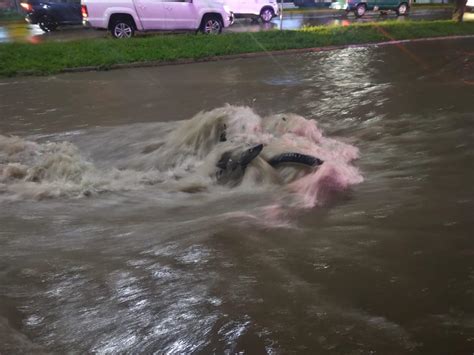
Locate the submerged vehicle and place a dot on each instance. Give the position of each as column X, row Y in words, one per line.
column 360, row 7
column 49, row 14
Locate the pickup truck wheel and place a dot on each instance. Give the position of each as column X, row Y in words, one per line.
column 360, row 10
column 266, row 15
column 402, row 9
column 123, row 28
column 47, row 23
column 211, row 25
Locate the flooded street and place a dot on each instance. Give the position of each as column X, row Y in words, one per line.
column 117, row 235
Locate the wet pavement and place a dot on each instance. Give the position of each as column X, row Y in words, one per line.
column 21, row 31
column 100, row 253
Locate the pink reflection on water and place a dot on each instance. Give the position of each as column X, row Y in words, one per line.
column 330, row 177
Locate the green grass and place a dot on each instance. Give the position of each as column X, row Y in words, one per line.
column 54, row 57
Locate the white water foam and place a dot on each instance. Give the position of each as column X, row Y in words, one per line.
column 182, row 158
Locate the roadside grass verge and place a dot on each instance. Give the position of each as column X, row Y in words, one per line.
column 101, row 54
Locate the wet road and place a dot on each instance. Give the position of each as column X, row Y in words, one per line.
column 21, row 31
column 99, row 253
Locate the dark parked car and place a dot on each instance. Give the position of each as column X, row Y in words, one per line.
column 50, row 14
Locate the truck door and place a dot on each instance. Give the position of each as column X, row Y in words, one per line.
column 152, row 14
column 181, row 15
column 254, row 6
column 238, row 6
column 386, row 4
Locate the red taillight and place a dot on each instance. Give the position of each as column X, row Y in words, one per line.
column 26, row 6
column 84, row 11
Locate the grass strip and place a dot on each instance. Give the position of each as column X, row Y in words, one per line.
column 54, row 57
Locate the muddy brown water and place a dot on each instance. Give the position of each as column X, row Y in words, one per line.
column 383, row 267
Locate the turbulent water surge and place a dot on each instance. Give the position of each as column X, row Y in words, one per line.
column 181, row 157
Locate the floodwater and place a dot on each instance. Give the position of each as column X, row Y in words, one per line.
column 116, row 235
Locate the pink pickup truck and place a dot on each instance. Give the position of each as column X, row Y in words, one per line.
column 123, row 17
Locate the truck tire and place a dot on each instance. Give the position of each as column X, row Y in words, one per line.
column 211, row 25
column 266, row 14
column 360, row 10
column 402, row 9
column 122, row 28
column 47, row 23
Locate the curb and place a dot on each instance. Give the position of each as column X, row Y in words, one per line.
column 252, row 55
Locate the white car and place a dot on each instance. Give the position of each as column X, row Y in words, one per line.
column 263, row 9
column 123, row 17
column 470, row 5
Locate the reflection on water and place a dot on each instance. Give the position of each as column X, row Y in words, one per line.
column 19, row 31
column 24, row 32
column 385, row 267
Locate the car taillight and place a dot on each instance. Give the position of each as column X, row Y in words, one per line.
column 84, row 11
column 26, row 6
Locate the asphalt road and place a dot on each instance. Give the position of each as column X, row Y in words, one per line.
column 21, row 32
